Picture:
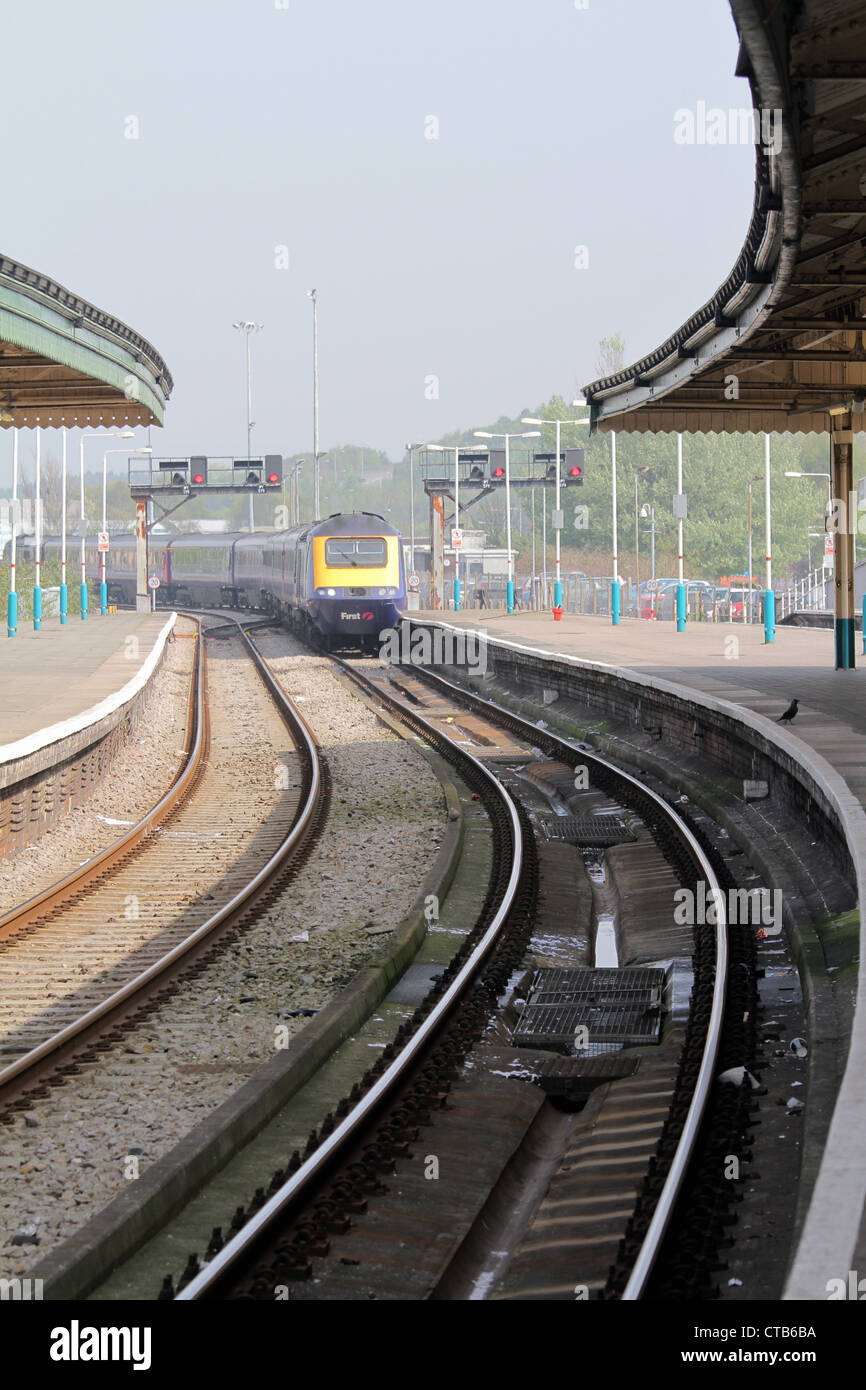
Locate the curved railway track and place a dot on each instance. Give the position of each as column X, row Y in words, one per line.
column 319, row 1193
column 74, row 924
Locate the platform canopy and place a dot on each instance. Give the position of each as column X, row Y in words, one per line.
column 64, row 362
column 779, row 346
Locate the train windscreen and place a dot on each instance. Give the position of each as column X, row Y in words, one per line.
column 364, row 552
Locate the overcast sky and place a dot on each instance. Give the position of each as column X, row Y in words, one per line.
column 304, row 124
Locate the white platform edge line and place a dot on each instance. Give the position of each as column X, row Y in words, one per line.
column 829, row 1236
column 32, row 743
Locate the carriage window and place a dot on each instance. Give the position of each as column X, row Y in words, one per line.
column 353, row 551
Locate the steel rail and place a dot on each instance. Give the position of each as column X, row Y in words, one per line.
column 217, row 1269
column 122, row 996
column 669, row 1194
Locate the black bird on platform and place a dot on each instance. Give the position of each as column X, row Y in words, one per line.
column 789, row 714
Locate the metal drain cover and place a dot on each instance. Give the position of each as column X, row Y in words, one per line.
column 589, row 1012
column 593, row 831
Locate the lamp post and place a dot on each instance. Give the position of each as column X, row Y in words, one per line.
column 37, row 585
column 769, row 596
column 790, row 474
column 681, row 588
column 12, row 603
column 411, row 448
column 526, row 434
column 115, row 434
column 530, row 420
column 615, row 594
column 103, row 587
column 64, row 592
column 747, row 606
column 443, row 449
column 248, row 327
column 314, row 296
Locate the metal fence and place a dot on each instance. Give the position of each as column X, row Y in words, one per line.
column 591, row 596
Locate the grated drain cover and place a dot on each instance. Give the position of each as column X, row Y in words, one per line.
column 593, row 831
column 589, row 1012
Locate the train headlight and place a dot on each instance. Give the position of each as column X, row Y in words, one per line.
column 332, row 593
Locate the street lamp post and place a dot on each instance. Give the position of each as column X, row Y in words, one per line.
column 769, row 596
column 113, row 434
column 636, row 550
column 530, row 420
column 681, row 587
column 615, row 594
column 526, row 434
column 103, row 586
column 12, row 603
column 37, row 586
column 790, row 474
column 64, row 592
column 411, row 448
column 314, row 296
column 248, row 327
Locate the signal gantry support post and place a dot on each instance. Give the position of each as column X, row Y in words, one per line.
column 843, row 488
column 142, row 598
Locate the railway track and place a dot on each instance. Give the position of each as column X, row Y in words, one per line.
column 307, row 1235
column 92, row 952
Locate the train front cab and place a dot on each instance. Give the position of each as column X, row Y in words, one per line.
column 357, row 586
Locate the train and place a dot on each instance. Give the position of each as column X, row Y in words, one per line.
column 338, row 582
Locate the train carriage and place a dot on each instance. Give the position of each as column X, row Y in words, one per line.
column 201, row 569
column 340, row 580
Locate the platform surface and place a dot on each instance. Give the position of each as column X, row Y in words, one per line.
column 57, row 674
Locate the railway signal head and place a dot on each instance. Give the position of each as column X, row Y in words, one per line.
column 198, row 470
column 273, row 470
column 573, row 468
column 496, row 465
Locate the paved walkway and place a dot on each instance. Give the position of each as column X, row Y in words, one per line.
column 57, row 674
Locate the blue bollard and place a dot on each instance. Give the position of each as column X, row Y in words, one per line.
column 37, row 609
column 509, row 595
column 83, row 602
column 681, row 608
column 456, row 594
column 12, row 615
column 557, row 594
column 769, row 615
column 614, row 603
column 64, row 603
column 103, row 598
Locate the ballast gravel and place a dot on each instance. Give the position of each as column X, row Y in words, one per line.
column 69, row 1154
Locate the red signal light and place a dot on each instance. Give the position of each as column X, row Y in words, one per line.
column 273, row 477
column 198, row 478
column 499, row 472
column 575, row 472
